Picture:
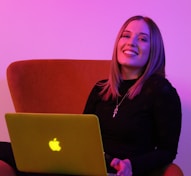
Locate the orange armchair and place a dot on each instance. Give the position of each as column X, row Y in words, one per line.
column 59, row 86
column 6, row 170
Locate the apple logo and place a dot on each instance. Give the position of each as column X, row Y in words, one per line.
column 54, row 145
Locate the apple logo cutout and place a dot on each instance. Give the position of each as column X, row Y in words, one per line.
column 55, row 145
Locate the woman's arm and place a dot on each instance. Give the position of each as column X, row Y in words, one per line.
column 167, row 124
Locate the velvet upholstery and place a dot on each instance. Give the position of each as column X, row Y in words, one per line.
column 6, row 169
column 59, row 86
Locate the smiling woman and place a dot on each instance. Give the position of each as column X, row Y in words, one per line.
column 138, row 108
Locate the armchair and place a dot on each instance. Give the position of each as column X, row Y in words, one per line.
column 6, row 169
column 59, row 86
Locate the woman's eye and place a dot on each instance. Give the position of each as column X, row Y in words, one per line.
column 143, row 39
column 125, row 35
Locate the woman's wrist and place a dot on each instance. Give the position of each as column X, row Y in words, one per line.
column 123, row 167
column 128, row 163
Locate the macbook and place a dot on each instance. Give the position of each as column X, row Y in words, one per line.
column 57, row 143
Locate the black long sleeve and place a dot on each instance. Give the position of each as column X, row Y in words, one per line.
column 146, row 129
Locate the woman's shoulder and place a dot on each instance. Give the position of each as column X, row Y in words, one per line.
column 158, row 80
column 99, row 84
column 159, row 83
column 102, row 81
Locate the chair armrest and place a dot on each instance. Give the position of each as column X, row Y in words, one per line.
column 170, row 170
column 173, row 170
column 6, row 169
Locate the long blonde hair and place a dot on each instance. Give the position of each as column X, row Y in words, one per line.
column 155, row 64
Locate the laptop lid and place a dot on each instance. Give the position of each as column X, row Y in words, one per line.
column 57, row 143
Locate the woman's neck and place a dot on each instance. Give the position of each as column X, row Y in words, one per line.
column 128, row 74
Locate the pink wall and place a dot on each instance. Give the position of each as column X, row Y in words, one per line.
column 87, row 29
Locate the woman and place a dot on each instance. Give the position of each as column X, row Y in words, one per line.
column 138, row 109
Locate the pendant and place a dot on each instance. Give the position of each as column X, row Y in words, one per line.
column 115, row 111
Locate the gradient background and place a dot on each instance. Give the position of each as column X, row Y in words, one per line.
column 86, row 29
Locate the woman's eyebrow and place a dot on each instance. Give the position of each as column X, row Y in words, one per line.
column 141, row 33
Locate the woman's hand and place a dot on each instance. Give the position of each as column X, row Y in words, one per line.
column 123, row 167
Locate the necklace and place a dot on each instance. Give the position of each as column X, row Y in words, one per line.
column 117, row 105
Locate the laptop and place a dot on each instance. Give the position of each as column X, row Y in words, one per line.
column 68, row 144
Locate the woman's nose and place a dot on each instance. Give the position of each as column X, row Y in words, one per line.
column 132, row 41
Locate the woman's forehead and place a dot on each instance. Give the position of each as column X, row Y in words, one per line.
column 138, row 26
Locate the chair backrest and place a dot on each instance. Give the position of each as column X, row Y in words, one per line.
column 54, row 85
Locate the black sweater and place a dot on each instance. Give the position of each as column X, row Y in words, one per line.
column 145, row 130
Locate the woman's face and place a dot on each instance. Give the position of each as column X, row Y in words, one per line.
column 134, row 46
